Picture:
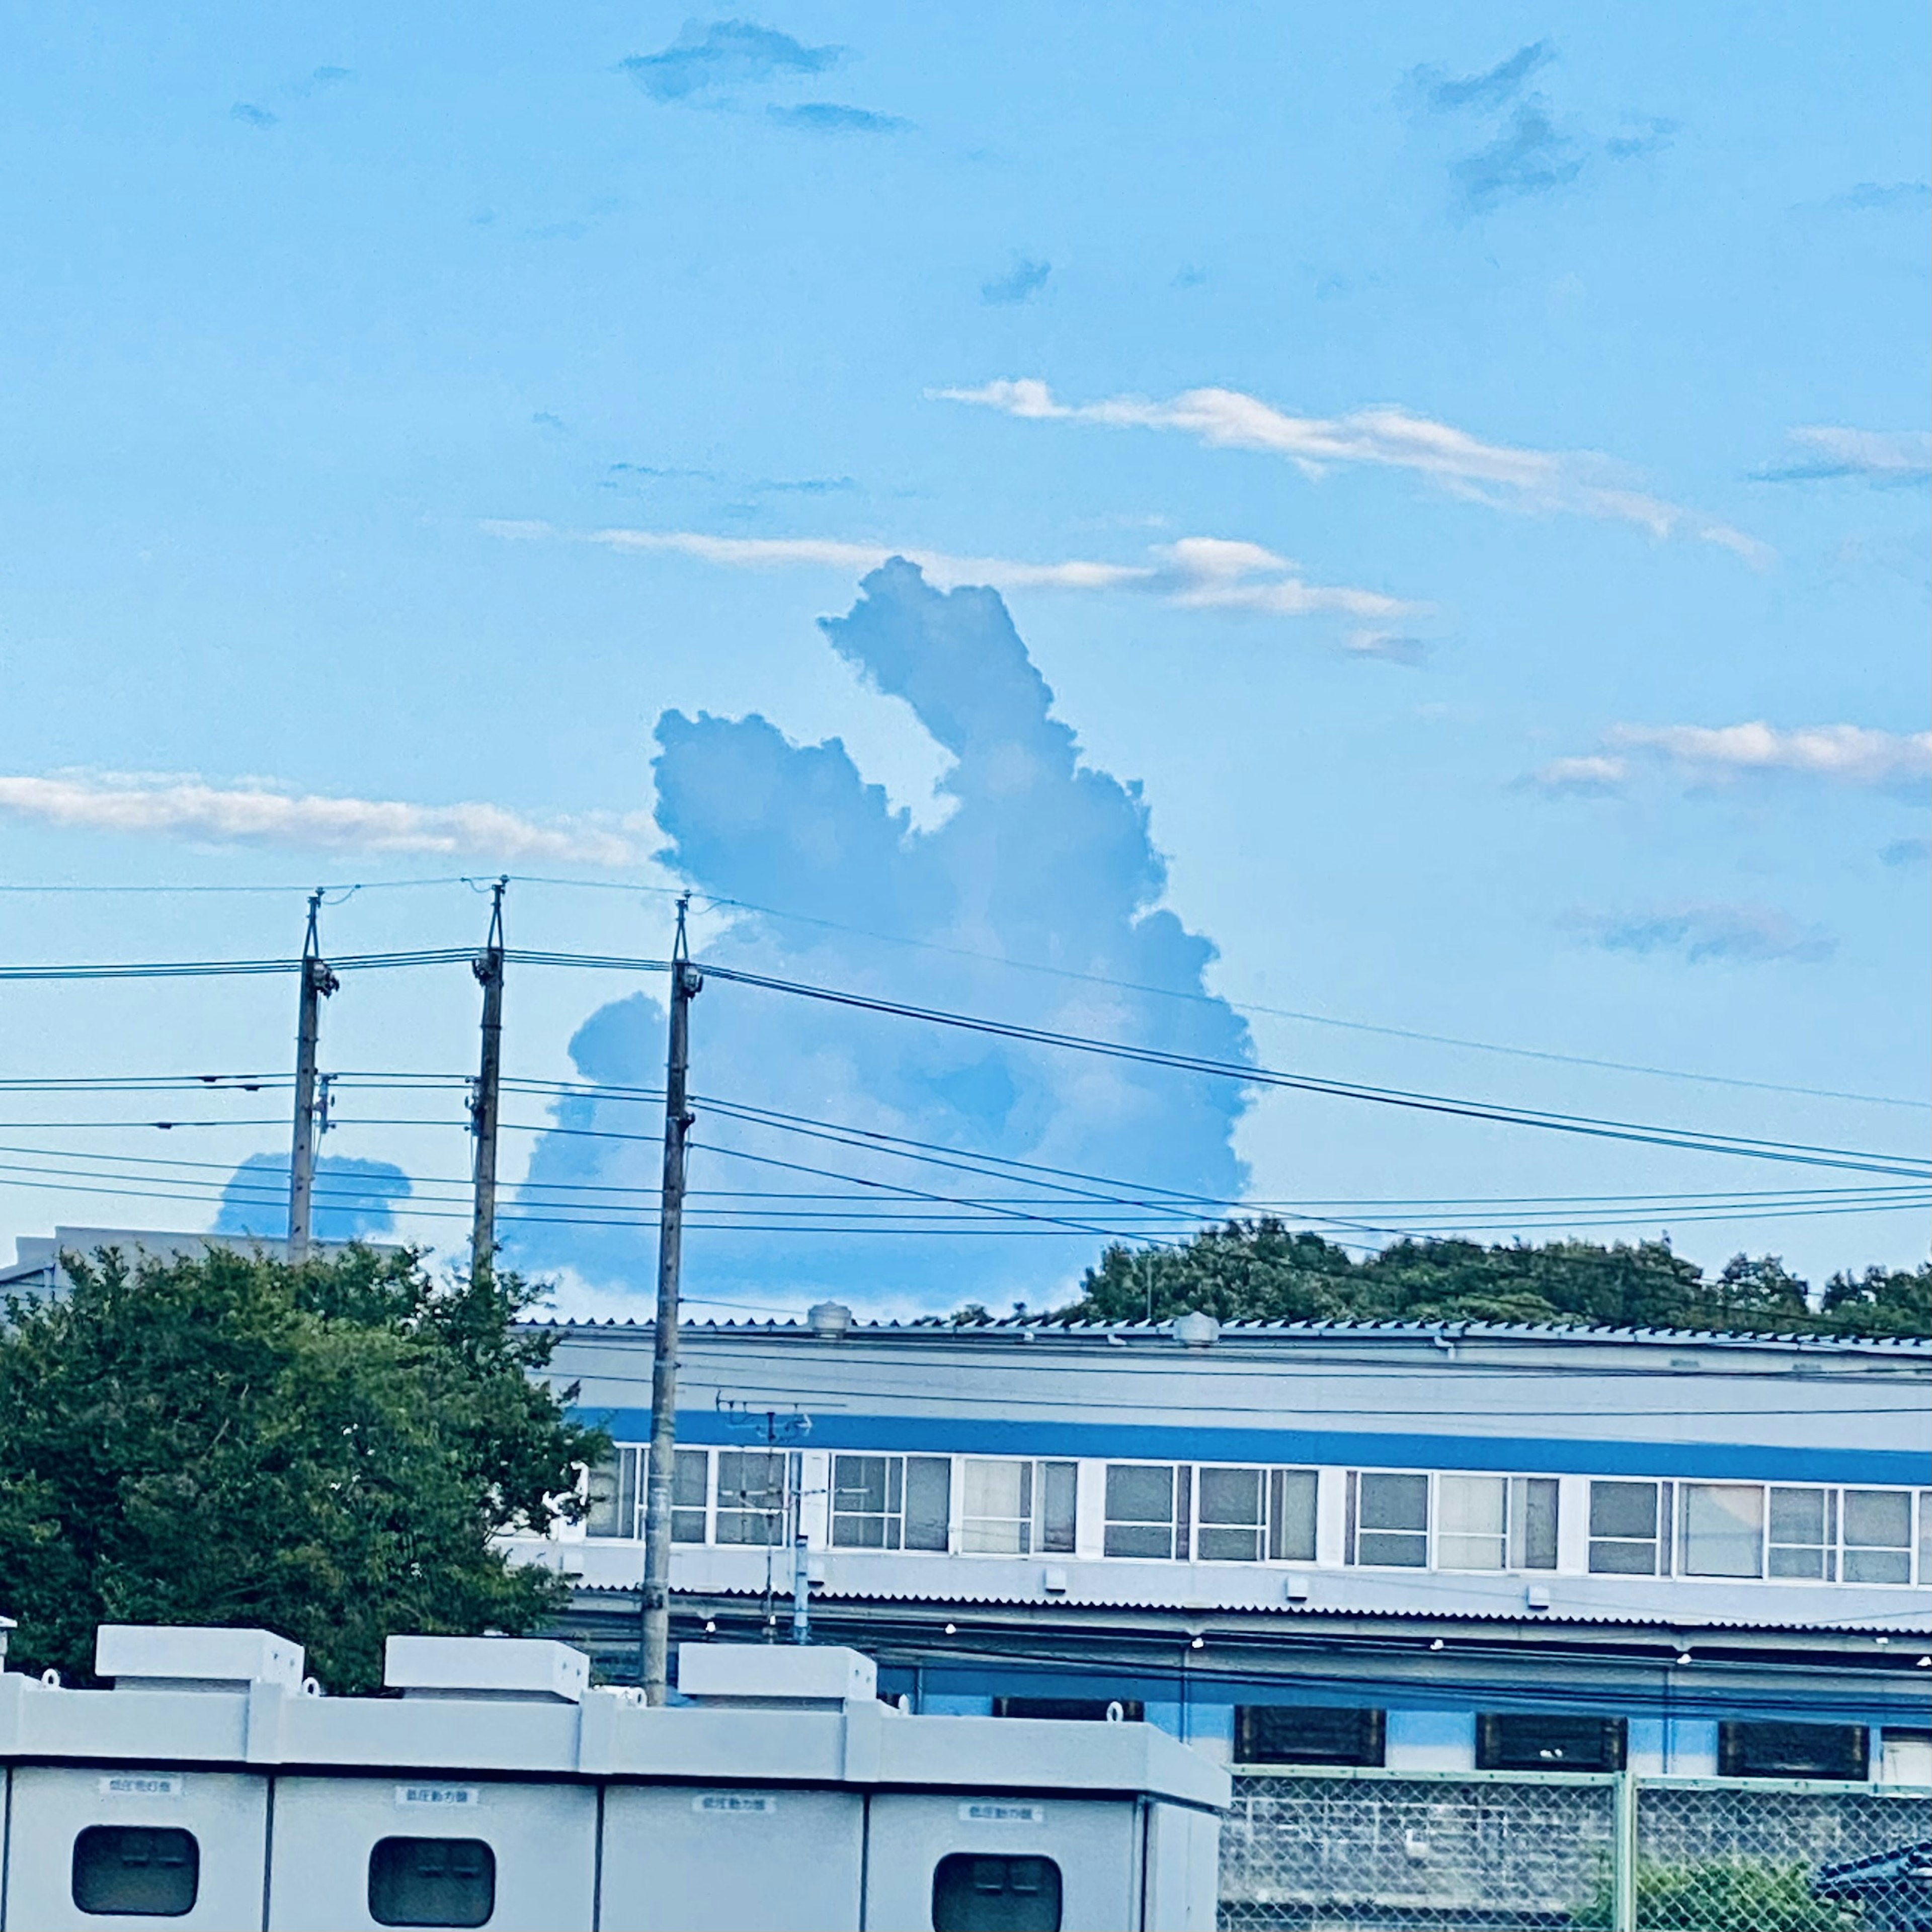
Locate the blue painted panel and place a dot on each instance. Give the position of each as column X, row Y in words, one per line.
column 1156, row 1442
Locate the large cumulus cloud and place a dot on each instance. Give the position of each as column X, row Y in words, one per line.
column 1042, row 860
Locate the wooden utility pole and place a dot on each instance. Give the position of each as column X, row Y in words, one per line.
column 654, row 1605
column 488, row 967
column 317, row 983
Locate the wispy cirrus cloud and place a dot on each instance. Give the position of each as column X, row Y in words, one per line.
column 1702, row 933
column 830, row 117
column 1842, row 753
column 187, row 806
column 1503, row 475
column 1821, row 453
column 1021, row 283
column 1192, row 573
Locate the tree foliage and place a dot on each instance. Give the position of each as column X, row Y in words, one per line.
column 327, row 1450
column 1261, row 1270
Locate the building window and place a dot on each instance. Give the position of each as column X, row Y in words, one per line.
column 1073, row 1710
column 1532, row 1521
column 1841, row 1751
column 1630, row 1525
column 1722, row 1528
column 1537, row 1741
column 1307, row 1734
column 1925, row 1536
column 1014, row 1509
column 1803, row 1534
column 1292, row 1494
column 690, row 1494
column 751, row 1492
column 1140, row 1509
column 432, row 1882
column 1388, row 1520
column 616, row 1496
column 1230, row 1515
column 891, row 1502
column 148, row 1871
column 974, row 1893
column 1471, row 1521
column 1878, row 1536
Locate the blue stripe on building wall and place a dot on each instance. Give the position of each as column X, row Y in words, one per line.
column 1168, row 1442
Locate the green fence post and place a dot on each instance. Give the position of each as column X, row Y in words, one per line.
column 1623, row 1855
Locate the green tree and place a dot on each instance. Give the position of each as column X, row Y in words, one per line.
column 1261, row 1270
column 329, row 1451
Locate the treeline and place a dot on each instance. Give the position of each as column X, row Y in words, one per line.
column 1261, row 1270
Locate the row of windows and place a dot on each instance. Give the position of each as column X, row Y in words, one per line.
column 151, row 1871
column 1210, row 1513
column 1548, row 1741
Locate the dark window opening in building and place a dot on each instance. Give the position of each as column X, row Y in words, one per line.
column 971, row 1893
column 1537, row 1741
column 1077, row 1710
column 1773, row 1750
column 1307, row 1734
column 153, row 1871
column 432, row 1882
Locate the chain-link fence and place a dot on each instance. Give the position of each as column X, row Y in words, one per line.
column 1373, row 1851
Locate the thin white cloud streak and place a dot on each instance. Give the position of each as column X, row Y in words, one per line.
column 189, row 807
column 1194, row 573
column 1842, row 753
column 1822, row 454
column 1497, row 474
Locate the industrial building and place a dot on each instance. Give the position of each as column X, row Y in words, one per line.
column 1426, row 1548
column 213, row 1786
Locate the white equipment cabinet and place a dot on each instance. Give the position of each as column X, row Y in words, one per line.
column 214, row 1787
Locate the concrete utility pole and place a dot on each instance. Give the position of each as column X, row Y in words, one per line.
column 317, row 983
column 654, row 1606
column 488, row 967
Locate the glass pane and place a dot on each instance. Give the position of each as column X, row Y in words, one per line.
column 1798, row 1516
column 1213, row 1544
column 858, row 1483
column 1227, row 1497
column 1623, row 1559
column 149, row 1871
column 1393, row 1502
column 1878, row 1519
column 1722, row 1529
column 1402, row 1549
column 1623, row 1509
column 1469, row 1521
column 687, row 1525
column 1140, row 1493
column 995, row 1488
column 1878, row 1566
column 691, row 1472
column 1798, row 1561
column 602, row 1519
column 848, row 1532
column 1533, row 1522
column 1291, row 1515
column 432, row 1882
column 1132, row 1540
column 1058, row 1486
column 750, row 1496
column 928, row 1501
column 974, row 1893
column 1468, row 1553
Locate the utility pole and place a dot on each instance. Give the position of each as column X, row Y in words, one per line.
column 488, row 967
column 654, row 1602
column 317, row 983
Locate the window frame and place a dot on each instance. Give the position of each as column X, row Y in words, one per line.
column 1040, row 1535
column 1661, row 1541
column 892, row 1517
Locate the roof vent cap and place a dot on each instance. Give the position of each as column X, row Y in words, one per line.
column 766, row 1676
column 1195, row 1330
column 142, row 1657
column 498, row 1669
column 829, row 1320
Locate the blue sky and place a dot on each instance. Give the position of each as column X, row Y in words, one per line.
column 1460, row 482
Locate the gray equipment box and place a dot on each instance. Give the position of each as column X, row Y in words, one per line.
column 213, row 1786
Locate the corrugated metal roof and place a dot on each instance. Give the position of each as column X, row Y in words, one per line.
column 1908, row 1620
column 938, row 1328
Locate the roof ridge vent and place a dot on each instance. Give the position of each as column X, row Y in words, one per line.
column 1196, row 1330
